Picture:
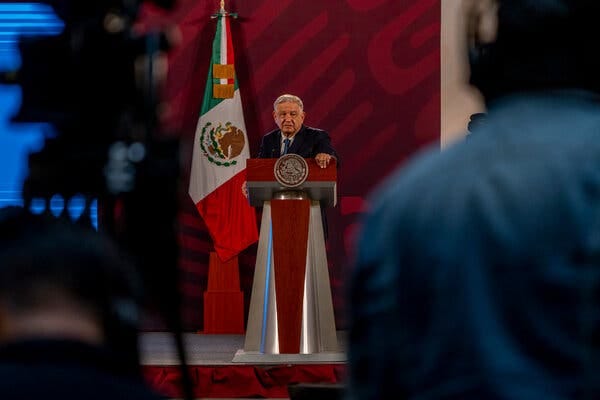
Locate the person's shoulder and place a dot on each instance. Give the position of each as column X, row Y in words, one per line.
column 271, row 134
column 512, row 151
column 314, row 131
column 428, row 168
column 430, row 181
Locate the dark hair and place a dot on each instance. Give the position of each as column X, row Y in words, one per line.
column 476, row 120
column 40, row 253
column 541, row 44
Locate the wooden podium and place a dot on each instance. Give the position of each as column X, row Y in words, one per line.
column 291, row 311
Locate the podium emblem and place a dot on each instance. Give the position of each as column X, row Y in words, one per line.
column 291, row 170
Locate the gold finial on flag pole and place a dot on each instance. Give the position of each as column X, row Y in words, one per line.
column 223, row 13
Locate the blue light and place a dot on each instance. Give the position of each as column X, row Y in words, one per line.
column 17, row 18
column 76, row 206
column 25, row 7
column 17, row 140
column 38, row 205
column 94, row 213
column 57, row 205
column 23, row 19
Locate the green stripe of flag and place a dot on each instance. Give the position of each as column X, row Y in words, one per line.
column 209, row 102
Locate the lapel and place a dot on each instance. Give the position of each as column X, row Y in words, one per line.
column 276, row 145
column 298, row 140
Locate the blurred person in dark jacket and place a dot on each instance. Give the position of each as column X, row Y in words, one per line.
column 68, row 313
column 478, row 267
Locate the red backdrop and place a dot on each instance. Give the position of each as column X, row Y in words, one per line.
column 368, row 72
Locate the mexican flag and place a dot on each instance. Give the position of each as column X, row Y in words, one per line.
column 220, row 153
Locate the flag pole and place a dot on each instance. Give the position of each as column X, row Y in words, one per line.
column 223, row 297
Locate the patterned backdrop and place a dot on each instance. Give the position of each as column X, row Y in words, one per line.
column 368, row 72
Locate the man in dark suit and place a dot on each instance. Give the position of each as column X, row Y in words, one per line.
column 295, row 137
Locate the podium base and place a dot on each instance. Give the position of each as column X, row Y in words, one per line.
column 313, row 329
column 254, row 357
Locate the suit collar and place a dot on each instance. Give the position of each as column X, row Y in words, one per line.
column 298, row 139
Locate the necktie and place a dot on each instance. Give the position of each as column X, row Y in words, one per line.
column 286, row 146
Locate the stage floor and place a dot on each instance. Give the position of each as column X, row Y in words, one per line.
column 215, row 376
column 157, row 348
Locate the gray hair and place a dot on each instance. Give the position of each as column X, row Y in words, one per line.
column 288, row 98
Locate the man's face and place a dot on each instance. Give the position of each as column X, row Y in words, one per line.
column 288, row 117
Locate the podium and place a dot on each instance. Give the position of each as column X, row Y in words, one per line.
column 291, row 311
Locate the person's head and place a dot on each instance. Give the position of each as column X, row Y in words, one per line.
column 518, row 45
column 288, row 112
column 63, row 281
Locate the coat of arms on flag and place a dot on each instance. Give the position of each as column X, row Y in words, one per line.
column 223, row 143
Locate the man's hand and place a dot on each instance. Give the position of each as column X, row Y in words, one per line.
column 323, row 159
column 245, row 189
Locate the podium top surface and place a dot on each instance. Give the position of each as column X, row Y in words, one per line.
column 321, row 183
column 262, row 169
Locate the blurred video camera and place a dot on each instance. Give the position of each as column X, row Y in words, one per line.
column 97, row 85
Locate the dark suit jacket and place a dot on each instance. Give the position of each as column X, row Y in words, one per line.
column 307, row 143
column 472, row 278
